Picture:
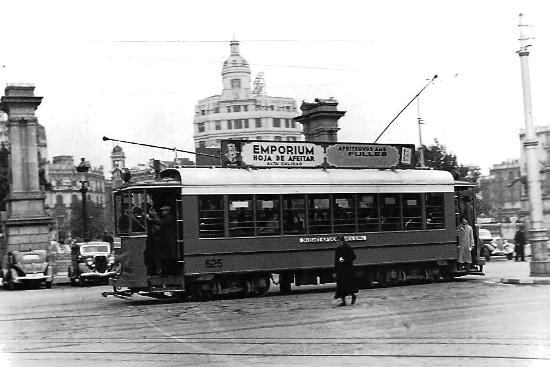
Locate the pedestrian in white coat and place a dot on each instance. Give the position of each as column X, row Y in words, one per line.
column 465, row 235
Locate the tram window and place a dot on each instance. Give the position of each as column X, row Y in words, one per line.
column 344, row 213
column 412, row 211
column 319, row 214
column 390, row 209
column 367, row 213
column 137, row 212
column 268, row 221
column 122, row 210
column 241, row 218
column 435, row 211
column 211, row 216
column 294, row 213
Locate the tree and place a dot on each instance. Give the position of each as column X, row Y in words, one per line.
column 96, row 222
column 437, row 157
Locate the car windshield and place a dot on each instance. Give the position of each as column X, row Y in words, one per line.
column 31, row 258
column 485, row 233
column 94, row 248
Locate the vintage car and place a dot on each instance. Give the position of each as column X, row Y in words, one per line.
column 26, row 268
column 90, row 261
column 494, row 246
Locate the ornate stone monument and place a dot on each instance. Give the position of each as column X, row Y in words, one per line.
column 26, row 225
column 320, row 120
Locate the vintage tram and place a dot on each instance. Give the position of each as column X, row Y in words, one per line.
column 207, row 232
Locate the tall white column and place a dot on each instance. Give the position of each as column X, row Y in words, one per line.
column 540, row 266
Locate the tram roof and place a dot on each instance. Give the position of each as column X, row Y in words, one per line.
column 199, row 180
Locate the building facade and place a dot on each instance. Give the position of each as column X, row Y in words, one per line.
column 65, row 186
column 242, row 112
column 502, row 191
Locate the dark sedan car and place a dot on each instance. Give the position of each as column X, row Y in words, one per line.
column 91, row 261
column 26, row 268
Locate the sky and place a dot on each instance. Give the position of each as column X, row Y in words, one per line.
column 134, row 70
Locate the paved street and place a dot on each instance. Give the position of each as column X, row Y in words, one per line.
column 473, row 320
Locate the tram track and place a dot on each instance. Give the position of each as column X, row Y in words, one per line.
column 293, row 355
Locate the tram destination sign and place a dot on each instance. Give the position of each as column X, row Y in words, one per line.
column 297, row 154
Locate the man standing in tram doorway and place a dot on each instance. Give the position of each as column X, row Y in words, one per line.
column 345, row 274
column 465, row 235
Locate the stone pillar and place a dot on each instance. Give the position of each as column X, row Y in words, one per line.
column 540, row 264
column 27, row 225
column 320, row 120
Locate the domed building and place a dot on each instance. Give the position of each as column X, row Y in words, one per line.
column 240, row 112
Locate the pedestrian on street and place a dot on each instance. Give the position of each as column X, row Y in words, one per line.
column 345, row 274
column 108, row 237
column 520, row 240
column 465, row 235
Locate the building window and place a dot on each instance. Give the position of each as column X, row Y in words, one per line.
column 278, row 138
column 289, row 138
column 216, row 110
column 201, row 127
column 276, row 122
column 258, row 122
column 229, row 124
column 237, row 108
column 245, row 123
column 271, row 108
column 258, row 137
column 228, row 108
column 218, row 125
column 293, row 124
column 235, row 83
column 203, row 112
column 287, row 123
column 245, row 108
column 238, row 124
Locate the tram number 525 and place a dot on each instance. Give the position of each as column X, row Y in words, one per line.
column 213, row 263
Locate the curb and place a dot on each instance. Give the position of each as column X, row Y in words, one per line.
column 525, row 281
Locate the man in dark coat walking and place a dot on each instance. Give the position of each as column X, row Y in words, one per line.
column 345, row 274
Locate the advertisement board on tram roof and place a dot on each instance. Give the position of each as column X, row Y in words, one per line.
column 300, row 154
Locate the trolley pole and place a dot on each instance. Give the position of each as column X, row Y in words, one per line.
column 421, row 147
column 540, row 266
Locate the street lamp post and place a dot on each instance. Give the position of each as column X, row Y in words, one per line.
column 540, row 266
column 82, row 170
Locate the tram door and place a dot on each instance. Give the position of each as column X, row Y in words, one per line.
column 465, row 207
column 167, row 238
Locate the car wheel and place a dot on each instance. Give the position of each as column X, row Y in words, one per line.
column 48, row 285
column 510, row 256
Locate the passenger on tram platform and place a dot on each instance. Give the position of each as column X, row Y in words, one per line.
column 164, row 248
column 465, row 236
column 123, row 222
